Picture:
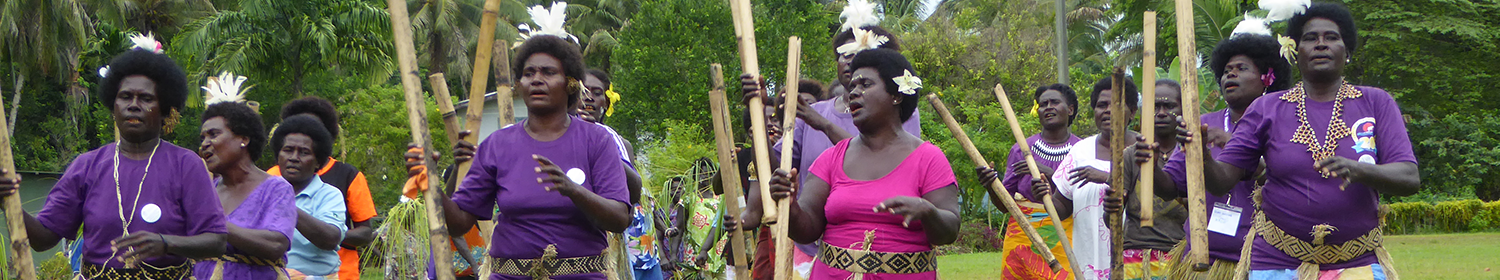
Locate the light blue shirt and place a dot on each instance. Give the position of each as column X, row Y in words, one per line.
column 325, row 203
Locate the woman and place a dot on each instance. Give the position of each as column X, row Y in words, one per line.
column 914, row 199
column 1084, row 185
column 1327, row 144
column 260, row 209
column 1057, row 106
column 558, row 180
column 151, row 205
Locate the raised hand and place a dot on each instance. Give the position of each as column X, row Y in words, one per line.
column 463, row 151
column 783, row 184
column 551, row 173
column 1084, row 174
column 986, row 175
column 908, row 207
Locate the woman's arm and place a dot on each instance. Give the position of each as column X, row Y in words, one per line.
column 1397, row 178
column 605, row 213
column 321, row 234
column 258, row 242
column 141, row 245
column 806, row 212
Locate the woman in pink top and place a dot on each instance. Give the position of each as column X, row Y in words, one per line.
column 884, row 193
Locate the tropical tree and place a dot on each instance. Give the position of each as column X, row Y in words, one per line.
column 42, row 39
column 160, row 17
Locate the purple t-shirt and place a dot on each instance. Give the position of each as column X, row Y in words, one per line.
column 1296, row 196
column 530, row 216
column 1220, row 246
column 1045, row 154
column 177, row 187
column 269, row 207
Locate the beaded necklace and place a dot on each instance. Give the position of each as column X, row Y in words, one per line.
column 120, row 198
column 1336, row 128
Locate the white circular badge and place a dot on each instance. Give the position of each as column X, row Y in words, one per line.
column 150, row 213
column 1367, row 159
column 577, row 176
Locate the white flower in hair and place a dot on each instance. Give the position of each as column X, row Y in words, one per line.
column 104, row 71
column 908, row 84
column 863, row 40
column 146, row 42
column 859, row 13
column 1252, row 25
column 225, row 88
column 1283, row 9
column 549, row 21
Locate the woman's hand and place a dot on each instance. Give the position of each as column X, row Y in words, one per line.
column 463, row 151
column 911, row 208
column 413, row 158
column 1040, row 189
column 1113, row 205
column 1341, row 167
column 1212, row 137
column 8, row 185
column 783, row 185
column 138, row 246
column 551, row 173
column 750, row 87
column 1085, row 174
column 986, row 175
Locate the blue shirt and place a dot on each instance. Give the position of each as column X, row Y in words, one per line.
column 325, row 203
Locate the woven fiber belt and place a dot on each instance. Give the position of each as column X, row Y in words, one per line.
column 98, row 272
column 1317, row 252
column 864, row 261
column 548, row 265
column 250, row 260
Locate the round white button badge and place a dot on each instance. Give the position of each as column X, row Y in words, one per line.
column 150, row 213
column 577, row 176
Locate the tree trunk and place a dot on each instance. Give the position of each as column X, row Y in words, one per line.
column 1062, row 41
column 15, row 103
column 436, row 54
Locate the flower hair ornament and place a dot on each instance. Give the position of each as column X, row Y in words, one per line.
column 227, row 87
column 1276, row 10
column 907, row 83
column 549, row 21
column 858, row 14
column 863, row 40
column 614, row 97
column 143, row 42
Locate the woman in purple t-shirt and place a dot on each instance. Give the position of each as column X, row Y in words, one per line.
column 558, row 181
column 151, row 204
column 259, row 207
column 1330, row 149
column 905, row 181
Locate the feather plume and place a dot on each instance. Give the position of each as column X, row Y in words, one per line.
column 859, row 13
column 863, row 40
column 146, row 42
column 225, row 88
column 1283, row 9
column 549, row 21
column 1252, row 25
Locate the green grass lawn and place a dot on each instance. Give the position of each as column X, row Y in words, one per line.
column 1445, row 256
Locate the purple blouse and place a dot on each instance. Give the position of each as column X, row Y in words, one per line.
column 1220, row 246
column 531, row 217
column 1045, row 154
column 177, row 198
column 269, row 207
column 1297, row 197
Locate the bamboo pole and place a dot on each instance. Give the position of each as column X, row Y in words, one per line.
column 1146, row 186
column 1197, row 212
column 416, row 115
column 1010, row 203
column 483, row 53
column 503, row 85
column 1015, row 130
column 15, row 217
column 724, row 138
column 745, row 34
column 450, row 123
column 1118, row 125
column 788, row 121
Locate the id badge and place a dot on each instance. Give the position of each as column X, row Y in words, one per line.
column 1225, row 219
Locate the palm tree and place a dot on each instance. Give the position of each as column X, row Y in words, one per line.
column 43, row 38
column 160, row 17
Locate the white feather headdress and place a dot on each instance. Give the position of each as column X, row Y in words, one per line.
column 225, row 88
column 1252, row 25
column 146, row 42
column 549, row 21
column 863, row 40
column 859, row 13
column 1283, row 9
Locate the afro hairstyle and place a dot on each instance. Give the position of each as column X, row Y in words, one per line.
column 565, row 51
column 305, row 125
column 894, row 44
column 890, row 64
column 1262, row 50
column 601, row 75
column 171, row 83
column 243, row 122
column 1132, row 95
column 813, row 87
column 1337, row 13
column 1069, row 96
column 318, row 107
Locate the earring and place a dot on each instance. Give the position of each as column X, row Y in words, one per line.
column 242, row 144
column 171, row 122
column 896, row 102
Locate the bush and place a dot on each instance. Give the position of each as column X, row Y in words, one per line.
column 974, row 237
column 1444, row 217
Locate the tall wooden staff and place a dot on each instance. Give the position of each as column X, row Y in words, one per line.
column 416, row 114
column 1197, row 215
column 473, row 118
column 1118, row 124
column 745, row 33
column 14, row 216
column 1015, row 130
column 503, row 84
column 788, row 121
column 501, row 59
column 718, row 105
column 450, row 125
column 1010, row 203
column 1146, row 186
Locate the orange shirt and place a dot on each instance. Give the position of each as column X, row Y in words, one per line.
column 361, row 207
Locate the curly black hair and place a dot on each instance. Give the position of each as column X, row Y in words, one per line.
column 1262, row 50
column 601, row 75
column 890, row 64
column 562, row 49
column 1132, row 95
column 1169, row 83
column 171, row 83
column 894, row 44
column 242, row 121
column 1335, row 12
column 305, row 125
column 813, row 87
column 318, row 107
column 1069, row 96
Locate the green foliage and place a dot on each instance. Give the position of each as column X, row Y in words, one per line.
column 401, row 242
column 376, row 132
column 1443, row 217
column 674, row 155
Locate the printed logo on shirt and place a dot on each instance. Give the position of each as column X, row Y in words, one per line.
column 1364, row 135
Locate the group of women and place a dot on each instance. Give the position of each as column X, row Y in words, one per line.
column 867, row 187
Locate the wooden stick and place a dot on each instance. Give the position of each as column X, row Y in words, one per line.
column 20, row 245
column 1015, row 130
column 482, row 55
column 1146, row 186
column 724, row 138
column 1197, row 215
column 445, row 105
column 503, row 85
column 1118, row 125
column 1010, row 203
column 788, row 121
column 416, row 114
column 751, row 63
